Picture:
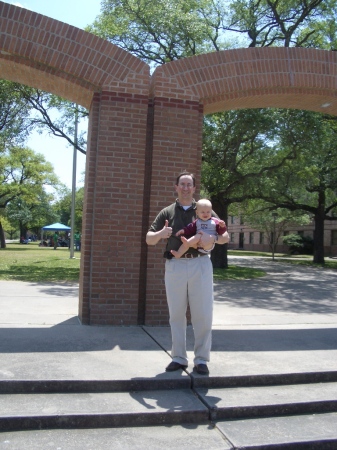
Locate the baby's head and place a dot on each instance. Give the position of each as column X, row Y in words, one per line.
column 204, row 209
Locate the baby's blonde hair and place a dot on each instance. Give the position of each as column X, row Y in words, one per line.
column 204, row 202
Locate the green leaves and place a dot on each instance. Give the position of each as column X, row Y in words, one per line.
column 161, row 31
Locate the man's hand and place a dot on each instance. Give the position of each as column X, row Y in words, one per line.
column 166, row 231
column 153, row 237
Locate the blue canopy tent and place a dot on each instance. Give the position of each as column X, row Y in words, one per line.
column 54, row 227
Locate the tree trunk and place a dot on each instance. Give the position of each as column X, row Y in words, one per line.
column 319, row 231
column 219, row 256
column 23, row 229
column 2, row 237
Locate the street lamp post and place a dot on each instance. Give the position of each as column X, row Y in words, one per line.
column 72, row 219
column 274, row 214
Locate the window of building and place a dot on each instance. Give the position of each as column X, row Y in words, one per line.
column 251, row 237
column 232, row 220
column 300, row 233
column 261, row 237
column 241, row 220
column 232, row 237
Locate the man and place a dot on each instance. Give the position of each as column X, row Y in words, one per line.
column 188, row 279
column 55, row 240
column 77, row 238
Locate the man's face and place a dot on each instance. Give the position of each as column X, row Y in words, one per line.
column 185, row 190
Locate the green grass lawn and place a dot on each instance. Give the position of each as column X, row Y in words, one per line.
column 33, row 263
column 237, row 273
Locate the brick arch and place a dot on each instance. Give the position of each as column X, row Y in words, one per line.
column 254, row 78
column 51, row 55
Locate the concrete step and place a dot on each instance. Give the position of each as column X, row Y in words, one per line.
column 310, row 431
column 314, row 432
column 245, row 414
column 269, row 401
column 78, row 386
column 93, row 410
column 173, row 437
column 268, row 379
column 166, row 380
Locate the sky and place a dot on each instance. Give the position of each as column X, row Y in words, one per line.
column 78, row 13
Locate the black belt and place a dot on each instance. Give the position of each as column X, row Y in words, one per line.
column 193, row 255
column 168, row 255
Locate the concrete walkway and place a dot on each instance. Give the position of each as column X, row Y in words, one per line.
column 281, row 324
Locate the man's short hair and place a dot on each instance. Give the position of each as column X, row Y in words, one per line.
column 185, row 173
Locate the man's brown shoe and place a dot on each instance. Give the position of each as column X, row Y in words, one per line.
column 173, row 366
column 201, row 369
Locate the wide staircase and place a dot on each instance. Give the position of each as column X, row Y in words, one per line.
column 282, row 411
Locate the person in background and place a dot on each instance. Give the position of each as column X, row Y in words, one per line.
column 77, row 239
column 55, row 239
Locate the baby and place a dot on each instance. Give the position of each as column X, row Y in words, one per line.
column 206, row 223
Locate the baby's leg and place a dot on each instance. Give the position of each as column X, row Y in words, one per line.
column 207, row 247
column 186, row 244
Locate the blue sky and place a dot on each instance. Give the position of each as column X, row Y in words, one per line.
column 75, row 12
column 78, row 13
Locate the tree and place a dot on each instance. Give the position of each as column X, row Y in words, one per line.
column 14, row 113
column 32, row 215
column 309, row 183
column 273, row 222
column 11, row 232
column 54, row 114
column 239, row 147
column 158, row 31
column 63, row 207
column 34, row 109
column 288, row 23
column 23, row 175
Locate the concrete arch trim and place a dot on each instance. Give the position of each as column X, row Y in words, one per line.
column 252, row 77
column 57, row 55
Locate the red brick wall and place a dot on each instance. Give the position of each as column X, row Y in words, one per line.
column 114, row 209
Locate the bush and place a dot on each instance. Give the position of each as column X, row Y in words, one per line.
column 303, row 245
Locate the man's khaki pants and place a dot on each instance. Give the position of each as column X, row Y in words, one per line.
column 190, row 281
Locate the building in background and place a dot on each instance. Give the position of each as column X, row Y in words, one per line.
column 244, row 237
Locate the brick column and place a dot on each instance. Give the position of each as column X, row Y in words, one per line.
column 112, row 219
column 177, row 140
